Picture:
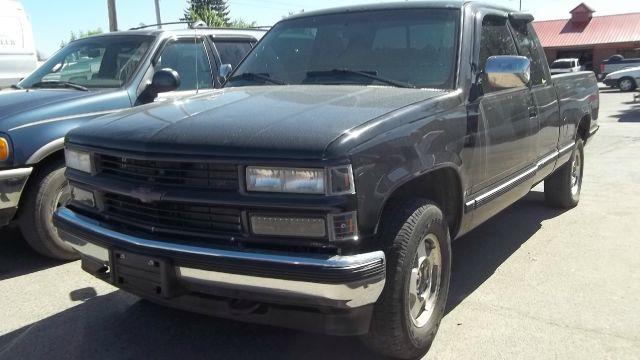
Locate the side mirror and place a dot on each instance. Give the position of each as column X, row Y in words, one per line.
column 508, row 72
column 225, row 70
column 165, row 80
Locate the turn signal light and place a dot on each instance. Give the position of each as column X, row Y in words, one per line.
column 4, row 149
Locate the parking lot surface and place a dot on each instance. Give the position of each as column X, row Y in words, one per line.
column 531, row 283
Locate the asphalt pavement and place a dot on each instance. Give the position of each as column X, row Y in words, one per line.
column 532, row 283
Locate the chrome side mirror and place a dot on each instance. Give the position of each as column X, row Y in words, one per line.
column 507, row 72
column 225, row 70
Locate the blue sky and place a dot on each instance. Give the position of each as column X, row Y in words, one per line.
column 53, row 20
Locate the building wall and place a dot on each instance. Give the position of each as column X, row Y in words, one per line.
column 600, row 52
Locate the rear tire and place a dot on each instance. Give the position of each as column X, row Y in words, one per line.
column 48, row 190
column 627, row 84
column 408, row 313
column 562, row 189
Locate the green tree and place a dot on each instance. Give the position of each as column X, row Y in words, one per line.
column 241, row 24
column 203, row 7
column 208, row 16
column 80, row 35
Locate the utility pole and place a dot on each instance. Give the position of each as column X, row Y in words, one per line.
column 158, row 20
column 113, row 16
column 520, row 5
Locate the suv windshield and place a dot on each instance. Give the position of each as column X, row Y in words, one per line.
column 96, row 62
column 405, row 48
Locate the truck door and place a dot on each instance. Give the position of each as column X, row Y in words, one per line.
column 546, row 108
column 504, row 115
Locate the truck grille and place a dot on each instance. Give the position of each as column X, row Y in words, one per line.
column 188, row 174
column 172, row 217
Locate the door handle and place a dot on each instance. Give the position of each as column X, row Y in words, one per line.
column 533, row 111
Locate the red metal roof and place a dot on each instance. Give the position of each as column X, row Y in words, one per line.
column 599, row 30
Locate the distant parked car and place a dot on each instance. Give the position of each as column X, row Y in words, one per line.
column 89, row 78
column 615, row 63
column 562, row 66
column 17, row 50
column 625, row 80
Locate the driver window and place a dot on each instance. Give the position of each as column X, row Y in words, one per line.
column 495, row 40
column 190, row 60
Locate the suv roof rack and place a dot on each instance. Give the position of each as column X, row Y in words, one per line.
column 200, row 25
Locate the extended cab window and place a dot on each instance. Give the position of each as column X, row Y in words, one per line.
column 232, row 51
column 495, row 40
column 527, row 46
column 189, row 58
column 406, row 48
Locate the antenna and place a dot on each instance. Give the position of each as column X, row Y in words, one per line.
column 195, row 41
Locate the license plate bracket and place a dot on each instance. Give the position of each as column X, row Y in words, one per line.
column 141, row 273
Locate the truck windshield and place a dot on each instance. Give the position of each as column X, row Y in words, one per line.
column 404, row 48
column 96, row 62
column 565, row 64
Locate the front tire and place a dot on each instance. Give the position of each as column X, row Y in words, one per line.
column 47, row 191
column 627, row 84
column 407, row 316
column 562, row 189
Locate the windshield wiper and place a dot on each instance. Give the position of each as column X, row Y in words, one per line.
column 57, row 84
column 368, row 74
column 257, row 76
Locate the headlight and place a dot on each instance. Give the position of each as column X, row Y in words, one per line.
column 78, row 160
column 4, row 149
column 332, row 181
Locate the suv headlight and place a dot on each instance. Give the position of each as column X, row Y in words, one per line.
column 78, row 160
column 4, row 149
column 331, row 181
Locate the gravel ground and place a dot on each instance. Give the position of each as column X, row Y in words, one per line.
column 531, row 283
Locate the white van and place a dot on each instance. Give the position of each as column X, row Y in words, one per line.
column 17, row 49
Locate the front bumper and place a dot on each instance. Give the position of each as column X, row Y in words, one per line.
column 335, row 286
column 12, row 183
column 610, row 82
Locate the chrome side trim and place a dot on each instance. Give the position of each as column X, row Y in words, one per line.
column 471, row 204
column 326, row 262
column 43, row 152
column 12, row 183
column 509, row 183
column 15, row 173
column 566, row 148
column 352, row 295
column 547, row 159
column 595, row 129
column 68, row 117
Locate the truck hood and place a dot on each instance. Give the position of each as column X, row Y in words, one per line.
column 258, row 121
column 13, row 102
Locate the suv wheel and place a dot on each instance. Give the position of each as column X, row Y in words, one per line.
column 627, row 84
column 48, row 190
column 407, row 315
column 562, row 189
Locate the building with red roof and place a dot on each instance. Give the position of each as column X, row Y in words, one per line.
column 589, row 38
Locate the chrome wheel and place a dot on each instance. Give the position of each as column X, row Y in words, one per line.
column 626, row 85
column 576, row 173
column 424, row 283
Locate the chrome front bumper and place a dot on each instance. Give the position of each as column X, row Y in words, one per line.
column 343, row 282
column 12, row 183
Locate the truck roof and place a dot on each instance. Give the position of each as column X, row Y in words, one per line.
column 230, row 32
column 452, row 4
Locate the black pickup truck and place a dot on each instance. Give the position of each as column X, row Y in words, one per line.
column 321, row 188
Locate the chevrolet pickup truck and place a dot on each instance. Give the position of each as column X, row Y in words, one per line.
column 86, row 79
column 321, row 187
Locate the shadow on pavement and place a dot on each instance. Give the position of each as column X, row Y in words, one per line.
column 116, row 326
column 631, row 113
column 17, row 258
column 477, row 255
column 119, row 326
